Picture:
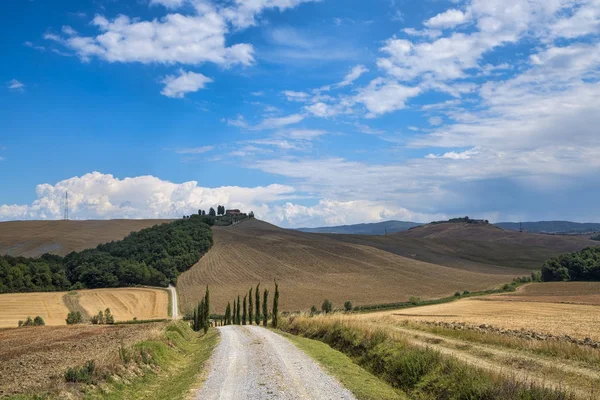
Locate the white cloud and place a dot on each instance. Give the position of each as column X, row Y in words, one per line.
column 194, row 150
column 381, row 97
column 186, row 82
column 239, row 122
column 447, row 19
column 279, row 122
column 430, row 33
column 296, row 96
column 69, row 30
column 168, row 3
column 15, row 85
column 436, row 121
column 322, row 110
column 353, row 75
column 244, row 12
column 452, row 155
column 176, row 38
column 303, row 134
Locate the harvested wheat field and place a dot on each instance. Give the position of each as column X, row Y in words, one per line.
column 126, row 303
column 34, row 238
column 555, row 292
column 312, row 267
column 37, row 357
column 18, row 306
column 578, row 321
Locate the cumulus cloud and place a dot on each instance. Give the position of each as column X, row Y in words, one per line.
column 103, row 196
column 185, row 82
column 194, row 150
column 381, row 97
column 447, row 19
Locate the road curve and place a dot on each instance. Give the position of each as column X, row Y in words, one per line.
column 174, row 302
column 251, row 362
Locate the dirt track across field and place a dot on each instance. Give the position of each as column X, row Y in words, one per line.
column 254, row 363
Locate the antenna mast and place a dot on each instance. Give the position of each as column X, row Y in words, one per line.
column 66, row 206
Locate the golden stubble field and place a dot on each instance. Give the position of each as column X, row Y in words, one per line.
column 553, row 316
column 312, row 267
column 125, row 303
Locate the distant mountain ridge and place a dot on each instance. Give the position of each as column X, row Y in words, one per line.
column 380, row 228
column 551, row 226
column 377, row 228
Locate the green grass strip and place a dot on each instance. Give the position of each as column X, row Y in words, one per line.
column 361, row 383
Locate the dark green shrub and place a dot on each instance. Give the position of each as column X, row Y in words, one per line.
column 414, row 300
column 108, row 317
column 466, row 292
column 74, row 317
column 327, row 306
column 456, row 294
column 81, row 374
column 348, row 306
column 313, row 310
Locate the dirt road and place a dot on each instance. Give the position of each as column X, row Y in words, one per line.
column 174, row 302
column 254, row 363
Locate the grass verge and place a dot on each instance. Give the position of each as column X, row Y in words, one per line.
column 361, row 383
column 422, row 373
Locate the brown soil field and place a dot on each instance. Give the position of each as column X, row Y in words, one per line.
column 37, row 357
column 34, row 238
column 18, row 306
column 578, row 321
column 555, row 292
column 312, row 267
column 126, row 303
column 472, row 247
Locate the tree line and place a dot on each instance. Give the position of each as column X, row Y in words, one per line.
column 249, row 311
column 154, row 256
column 581, row 265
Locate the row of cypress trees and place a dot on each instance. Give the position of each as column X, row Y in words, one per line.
column 201, row 318
column 249, row 311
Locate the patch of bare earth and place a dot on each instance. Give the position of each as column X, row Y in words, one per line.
column 33, row 359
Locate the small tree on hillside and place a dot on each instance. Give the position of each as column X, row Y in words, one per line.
column 257, row 297
column 108, row 317
column 265, row 307
column 348, row 306
column 212, row 212
column 206, row 322
column 313, row 310
column 275, row 306
column 250, row 308
column 327, row 306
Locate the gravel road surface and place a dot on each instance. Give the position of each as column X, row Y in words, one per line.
column 174, row 302
column 251, row 362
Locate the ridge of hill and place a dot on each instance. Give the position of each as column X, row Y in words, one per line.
column 34, row 238
column 565, row 227
column 376, row 228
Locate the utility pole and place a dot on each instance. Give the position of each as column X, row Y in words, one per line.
column 66, row 206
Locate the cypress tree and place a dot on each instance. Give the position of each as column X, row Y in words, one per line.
column 265, row 307
column 275, row 306
column 244, row 313
column 234, row 319
column 195, row 319
column 206, row 310
column 257, row 297
column 250, row 308
column 239, row 312
column 228, row 314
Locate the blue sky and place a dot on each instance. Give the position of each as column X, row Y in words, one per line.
column 308, row 112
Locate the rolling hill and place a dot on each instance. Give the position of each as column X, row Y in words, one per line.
column 551, row 227
column 311, row 267
column 34, row 238
column 378, row 228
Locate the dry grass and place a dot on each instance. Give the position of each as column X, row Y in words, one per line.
column 126, row 303
column 17, row 306
column 555, row 292
column 579, row 321
column 34, row 238
column 312, row 267
column 36, row 358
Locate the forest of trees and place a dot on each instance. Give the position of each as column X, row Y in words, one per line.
column 153, row 256
column 582, row 265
